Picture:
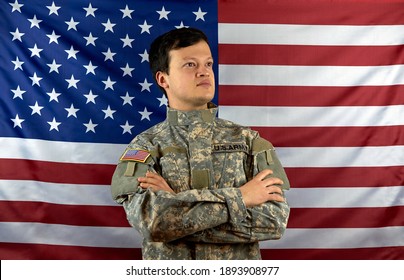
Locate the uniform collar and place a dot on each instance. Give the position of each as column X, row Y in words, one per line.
column 176, row 117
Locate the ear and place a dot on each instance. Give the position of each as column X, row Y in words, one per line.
column 161, row 79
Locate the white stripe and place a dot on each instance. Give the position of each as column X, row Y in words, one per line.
column 36, row 233
column 314, row 116
column 297, row 34
column 338, row 238
column 345, row 197
column 291, row 157
column 268, row 75
column 342, row 156
column 39, row 233
column 13, row 190
column 70, row 194
column 54, row 151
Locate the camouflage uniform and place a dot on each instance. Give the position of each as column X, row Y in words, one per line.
column 204, row 159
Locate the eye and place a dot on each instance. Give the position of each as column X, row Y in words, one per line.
column 209, row 64
column 190, row 64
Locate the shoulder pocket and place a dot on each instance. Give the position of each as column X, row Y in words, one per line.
column 266, row 158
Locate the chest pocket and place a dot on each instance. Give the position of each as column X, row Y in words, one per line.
column 232, row 164
column 174, row 164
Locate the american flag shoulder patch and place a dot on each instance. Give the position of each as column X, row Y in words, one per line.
column 135, row 155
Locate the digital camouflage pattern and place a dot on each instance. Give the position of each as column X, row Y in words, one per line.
column 205, row 160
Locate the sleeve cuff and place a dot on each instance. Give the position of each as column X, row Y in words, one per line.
column 235, row 205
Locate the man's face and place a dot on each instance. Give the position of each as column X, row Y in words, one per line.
column 191, row 82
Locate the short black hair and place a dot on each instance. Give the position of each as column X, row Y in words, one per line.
column 160, row 48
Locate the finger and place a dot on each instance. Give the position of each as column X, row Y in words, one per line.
column 261, row 175
column 274, row 189
column 273, row 181
column 154, row 176
column 150, row 179
column 154, row 185
column 275, row 197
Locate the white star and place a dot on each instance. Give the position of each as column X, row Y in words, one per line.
column 54, row 125
column 53, row 95
column 145, row 114
column 71, row 53
column 199, row 14
column 36, row 109
column 90, row 126
column 72, row 111
column 35, row 51
column 18, row 93
column 17, row 121
column 90, row 68
column 127, row 70
column 72, row 82
column 17, row 63
column 53, row 37
column 71, row 24
column 145, row 85
column 35, row 79
column 163, row 13
column 17, row 35
column 109, row 26
column 53, row 9
column 90, row 39
column 16, row 7
column 181, row 26
column 163, row 101
column 127, row 99
column 54, row 67
column 109, row 84
column 35, row 22
column 109, row 113
column 90, row 97
column 90, row 10
column 126, row 12
column 127, row 41
column 145, row 27
column 109, row 55
column 144, row 56
column 127, row 128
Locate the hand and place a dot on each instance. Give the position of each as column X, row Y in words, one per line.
column 260, row 190
column 155, row 182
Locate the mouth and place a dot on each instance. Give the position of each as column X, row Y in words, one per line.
column 204, row 83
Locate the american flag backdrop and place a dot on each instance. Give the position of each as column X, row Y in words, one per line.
column 322, row 80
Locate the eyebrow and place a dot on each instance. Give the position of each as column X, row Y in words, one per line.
column 191, row 57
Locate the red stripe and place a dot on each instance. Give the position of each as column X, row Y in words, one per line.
column 101, row 216
column 333, row 136
column 57, row 172
column 384, row 253
column 312, row 12
column 310, row 96
column 18, row 251
column 78, row 215
column 370, row 217
column 330, row 177
column 310, row 55
column 321, row 177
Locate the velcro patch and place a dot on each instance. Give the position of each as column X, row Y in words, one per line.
column 135, row 155
column 229, row 147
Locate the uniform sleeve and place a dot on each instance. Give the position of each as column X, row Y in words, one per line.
column 162, row 216
column 201, row 215
column 265, row 222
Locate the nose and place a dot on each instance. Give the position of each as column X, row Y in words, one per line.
column 203, row 70
column 203, row 73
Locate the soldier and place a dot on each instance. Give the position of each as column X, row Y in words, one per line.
column 197, row 186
